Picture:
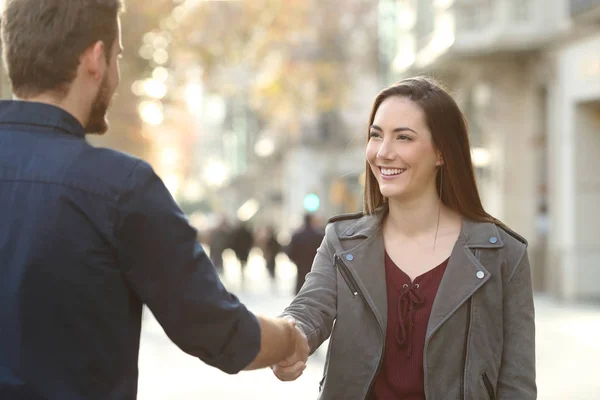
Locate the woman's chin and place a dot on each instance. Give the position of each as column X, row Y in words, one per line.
column 392, row 194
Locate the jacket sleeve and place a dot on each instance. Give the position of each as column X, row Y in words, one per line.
column 517, row 371
column 167, row 268
column 315, row 307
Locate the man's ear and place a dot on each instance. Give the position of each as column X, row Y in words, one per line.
column 94, row 60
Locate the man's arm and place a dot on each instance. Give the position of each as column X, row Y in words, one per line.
column 167, row 269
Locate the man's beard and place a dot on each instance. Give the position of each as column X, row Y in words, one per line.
column 97, row 123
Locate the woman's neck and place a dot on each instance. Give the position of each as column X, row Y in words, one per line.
column 419, row 216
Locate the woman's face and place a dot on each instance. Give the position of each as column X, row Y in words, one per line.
column 400, row 150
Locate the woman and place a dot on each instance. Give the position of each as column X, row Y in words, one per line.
column 430, row 295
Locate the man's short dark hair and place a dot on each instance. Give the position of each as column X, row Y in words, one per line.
column 43, row 40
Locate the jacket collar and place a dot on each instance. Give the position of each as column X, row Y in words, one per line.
column 474, row 234
column 463, row 277
column 15, row 112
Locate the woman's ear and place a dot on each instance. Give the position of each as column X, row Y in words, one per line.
column 440, row 160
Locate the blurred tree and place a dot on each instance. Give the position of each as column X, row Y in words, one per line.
column 141, row 17
column 288, row 58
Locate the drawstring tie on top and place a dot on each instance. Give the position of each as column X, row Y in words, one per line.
column 408, row 301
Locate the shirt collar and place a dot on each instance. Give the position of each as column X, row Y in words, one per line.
column 16, row 112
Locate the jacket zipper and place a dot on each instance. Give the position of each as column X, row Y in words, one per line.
column 347, row 275
column 464, row 358
column 462, row 375
column 488, row 386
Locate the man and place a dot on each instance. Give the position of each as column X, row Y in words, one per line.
column 89, row 235
column 303, row 248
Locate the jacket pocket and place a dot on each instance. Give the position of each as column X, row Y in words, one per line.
column 347, row 275
column 488, row 386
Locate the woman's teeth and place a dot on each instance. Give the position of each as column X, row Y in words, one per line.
column 392, row 171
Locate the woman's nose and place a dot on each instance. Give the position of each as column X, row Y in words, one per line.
column 385, row 151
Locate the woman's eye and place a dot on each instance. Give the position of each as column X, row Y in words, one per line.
column 373, row 134
column 404, row 137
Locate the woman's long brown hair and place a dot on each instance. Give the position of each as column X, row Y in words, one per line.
column 449, row 133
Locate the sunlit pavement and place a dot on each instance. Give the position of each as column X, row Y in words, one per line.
column 568, row 350
column 168, row 373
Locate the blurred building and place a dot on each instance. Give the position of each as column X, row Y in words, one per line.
column 574, row 144
column 309, row 154
column 527, row 74
column 326, row 158
column 5, row 90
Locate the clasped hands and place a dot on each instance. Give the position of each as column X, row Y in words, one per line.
column 294, row 365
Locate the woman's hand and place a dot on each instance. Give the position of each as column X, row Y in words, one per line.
column 289, row 372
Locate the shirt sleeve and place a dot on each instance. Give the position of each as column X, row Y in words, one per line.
column 167, row 268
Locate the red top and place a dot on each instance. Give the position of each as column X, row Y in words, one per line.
column 409, row 306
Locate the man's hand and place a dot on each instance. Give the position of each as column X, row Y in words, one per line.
column 281, row 342
column 294, row 365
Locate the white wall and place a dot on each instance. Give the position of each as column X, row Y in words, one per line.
column 574, row 243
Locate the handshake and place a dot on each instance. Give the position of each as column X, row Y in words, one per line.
column 284, row 347
column 292, row 366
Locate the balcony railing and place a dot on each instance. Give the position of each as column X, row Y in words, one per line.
column 577, row 7
column 505, row 24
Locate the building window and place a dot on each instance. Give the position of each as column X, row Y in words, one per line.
column 521, row 10
column 425, row 21
column 388, row 31
column 407, row 14
column 473, row 15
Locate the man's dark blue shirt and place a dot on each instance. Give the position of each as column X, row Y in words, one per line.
column 88, row 235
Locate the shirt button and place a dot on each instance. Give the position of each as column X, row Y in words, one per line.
column 493, row 240
column 349, row 232
column 349, row 257
column 480, row 274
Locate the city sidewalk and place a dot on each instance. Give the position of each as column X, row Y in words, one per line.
column 166, row 373
column 568, row 350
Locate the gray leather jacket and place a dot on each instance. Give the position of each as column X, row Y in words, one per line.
column 480, row 341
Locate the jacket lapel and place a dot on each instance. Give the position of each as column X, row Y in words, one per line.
column 464, row 274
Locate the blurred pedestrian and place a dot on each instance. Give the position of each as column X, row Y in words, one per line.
column 242, row 241
column 89, row 235
column 431, row 296
column 303, row 248
column 271, row 247
column 219, row 241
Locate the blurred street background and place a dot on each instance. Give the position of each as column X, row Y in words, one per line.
column 255, row 112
